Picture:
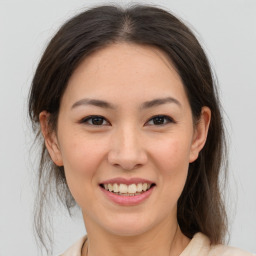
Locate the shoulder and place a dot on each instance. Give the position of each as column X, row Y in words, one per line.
column 75, row 249
column 200, row 245
column 224, row 250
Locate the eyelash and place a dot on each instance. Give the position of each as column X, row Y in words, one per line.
column 167, row 118
column 88, row 118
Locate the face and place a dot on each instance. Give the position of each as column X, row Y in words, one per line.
column 125, row 126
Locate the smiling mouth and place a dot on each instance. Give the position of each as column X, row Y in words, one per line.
column 127, row 190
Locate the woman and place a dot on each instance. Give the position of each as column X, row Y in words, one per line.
column 133, row 134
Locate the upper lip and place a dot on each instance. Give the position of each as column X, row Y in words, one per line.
column 120, row 180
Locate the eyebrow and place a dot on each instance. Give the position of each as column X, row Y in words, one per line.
column 160, row 101
column 93, row 102
column 105, row 104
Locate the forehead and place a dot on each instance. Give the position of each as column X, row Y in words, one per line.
column 125, row 71
column 116, row 55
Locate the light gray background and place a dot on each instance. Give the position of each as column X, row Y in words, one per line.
column 227, row 30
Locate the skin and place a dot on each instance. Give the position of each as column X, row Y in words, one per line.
column 127, row 144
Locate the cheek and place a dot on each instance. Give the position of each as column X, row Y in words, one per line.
column 81, row 160
column 172, row 161
column 172, row 156
column 81, row 153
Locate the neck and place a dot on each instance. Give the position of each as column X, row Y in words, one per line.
column 166, row 240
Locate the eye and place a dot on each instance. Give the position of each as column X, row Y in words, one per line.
column 160, row 120
column 95, row 120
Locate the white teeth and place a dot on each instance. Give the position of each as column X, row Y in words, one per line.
column 115, row 188
column 127, row 190
column 139, row 187
column 144, row 186
column 123, row 188
column 110, row 187
column 132, row 189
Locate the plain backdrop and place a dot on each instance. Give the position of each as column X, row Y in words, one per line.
column 227, row 31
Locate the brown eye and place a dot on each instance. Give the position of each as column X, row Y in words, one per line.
column 160, row 120
column 95, row 120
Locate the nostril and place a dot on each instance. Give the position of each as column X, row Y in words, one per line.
column 127, row 158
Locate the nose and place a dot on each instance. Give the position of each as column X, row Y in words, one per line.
column 126, row 149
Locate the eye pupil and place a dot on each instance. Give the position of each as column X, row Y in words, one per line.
column 97, row 120
column 159, row 120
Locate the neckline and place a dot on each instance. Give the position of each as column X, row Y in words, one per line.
column 198, row 241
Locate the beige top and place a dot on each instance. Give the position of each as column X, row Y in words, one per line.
column 198, row 246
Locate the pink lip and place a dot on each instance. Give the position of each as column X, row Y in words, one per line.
column 127, row 200
column 126, row 181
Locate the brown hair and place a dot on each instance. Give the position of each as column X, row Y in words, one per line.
column 200, row 207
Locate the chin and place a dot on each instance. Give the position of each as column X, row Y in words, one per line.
column 127, row 226
column 127, row 231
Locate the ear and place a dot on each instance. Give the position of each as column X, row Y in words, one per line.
column 200, row 133
column 50, row 138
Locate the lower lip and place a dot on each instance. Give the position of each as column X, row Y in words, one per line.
column 127, row 200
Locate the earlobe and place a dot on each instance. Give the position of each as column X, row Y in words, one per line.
column 200, row 133
column 50, row 138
